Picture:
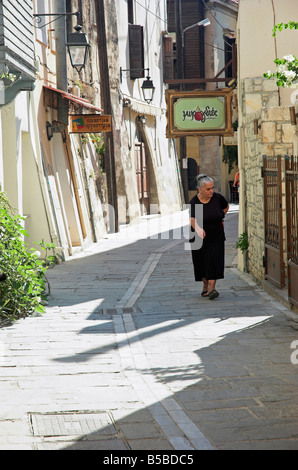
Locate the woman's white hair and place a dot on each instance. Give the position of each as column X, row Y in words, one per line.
column 203, row 179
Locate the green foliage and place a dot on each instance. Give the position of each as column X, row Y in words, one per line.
column 281, row 26
column 230, row 156
column 242, row 243
column 286, row 73
column 99, row 148
column 50, row 260
column 23, row 291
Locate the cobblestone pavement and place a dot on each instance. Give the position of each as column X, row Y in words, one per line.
column 129, row 355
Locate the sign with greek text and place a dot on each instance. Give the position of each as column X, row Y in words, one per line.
column 199, row 113
column 90, row 123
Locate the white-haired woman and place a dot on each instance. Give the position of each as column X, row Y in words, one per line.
column 208, row 260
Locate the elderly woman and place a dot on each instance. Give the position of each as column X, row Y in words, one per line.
column 208, row 260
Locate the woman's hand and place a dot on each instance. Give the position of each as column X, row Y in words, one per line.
column 201, row 232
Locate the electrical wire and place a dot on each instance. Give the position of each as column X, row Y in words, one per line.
column 206, row 43
column 215, row 19
column 162, row 19
column 149, row 11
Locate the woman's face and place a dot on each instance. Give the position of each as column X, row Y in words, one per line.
column 207, row 190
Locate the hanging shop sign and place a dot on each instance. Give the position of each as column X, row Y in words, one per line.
column 90, row 123
column 199, row 113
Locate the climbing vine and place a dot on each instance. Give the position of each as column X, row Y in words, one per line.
column 286, row 73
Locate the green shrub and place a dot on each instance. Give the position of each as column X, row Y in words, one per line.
column 22, row 293
column 242, row 243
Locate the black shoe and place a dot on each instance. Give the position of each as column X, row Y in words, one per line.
column 213, row 294
column 2, row 277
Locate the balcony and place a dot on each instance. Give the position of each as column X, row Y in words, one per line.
column 17, row 71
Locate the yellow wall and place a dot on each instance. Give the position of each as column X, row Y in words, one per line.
column 255, row 23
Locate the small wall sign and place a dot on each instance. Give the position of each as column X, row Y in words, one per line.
column 90, row 123
column 199, row 113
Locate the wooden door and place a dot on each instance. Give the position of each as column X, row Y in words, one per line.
column 273, row 260
column 142, row 175
column 292, row 226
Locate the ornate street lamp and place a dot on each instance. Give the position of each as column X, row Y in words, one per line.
column 148, row 90
column 77, row 42
column 78, row 46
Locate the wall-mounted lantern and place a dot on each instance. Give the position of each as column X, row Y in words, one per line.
column 50, row 130
column 54, row 128
column 78, row 46
column 148, row 90
column 77, row 42
column 142, row 119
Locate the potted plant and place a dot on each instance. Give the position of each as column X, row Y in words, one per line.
column 7, row 78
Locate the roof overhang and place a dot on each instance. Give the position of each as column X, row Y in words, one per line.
column 51, row 100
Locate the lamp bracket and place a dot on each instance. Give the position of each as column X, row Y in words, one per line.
column 129, row 70
column 39, row 16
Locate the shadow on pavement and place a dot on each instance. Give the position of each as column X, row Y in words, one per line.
column 225, row 363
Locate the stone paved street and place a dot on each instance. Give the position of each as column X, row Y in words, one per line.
column 129, row 355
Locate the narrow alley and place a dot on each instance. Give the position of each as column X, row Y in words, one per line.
column 129, row 356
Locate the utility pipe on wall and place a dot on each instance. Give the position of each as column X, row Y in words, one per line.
column 61, row 59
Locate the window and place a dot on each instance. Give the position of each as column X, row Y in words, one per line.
column 41, row 28
column 229, row 56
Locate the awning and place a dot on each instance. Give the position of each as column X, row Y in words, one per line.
column 80, row 102
column 142, row 108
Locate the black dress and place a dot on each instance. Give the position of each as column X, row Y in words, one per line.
column 208, row 261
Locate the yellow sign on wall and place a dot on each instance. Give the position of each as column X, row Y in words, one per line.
column 90, row 123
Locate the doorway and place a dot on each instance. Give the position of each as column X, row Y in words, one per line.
column 143, row 177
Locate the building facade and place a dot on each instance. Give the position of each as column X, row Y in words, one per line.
column 146, row 164
column 72, row 187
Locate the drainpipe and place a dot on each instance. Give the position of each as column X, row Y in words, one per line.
column 61, row 59
column 107, row 105
column 180, row 74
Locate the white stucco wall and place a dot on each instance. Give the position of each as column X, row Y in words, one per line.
column 163, row 162
column 152, row 27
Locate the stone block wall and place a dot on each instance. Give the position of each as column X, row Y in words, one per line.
column 259, row 100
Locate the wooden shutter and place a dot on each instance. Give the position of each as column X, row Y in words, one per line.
column 192, row 11
column 168, row 58
column 136, row 51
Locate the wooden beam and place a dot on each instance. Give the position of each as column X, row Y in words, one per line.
column 224, row 68
column 190, row 81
